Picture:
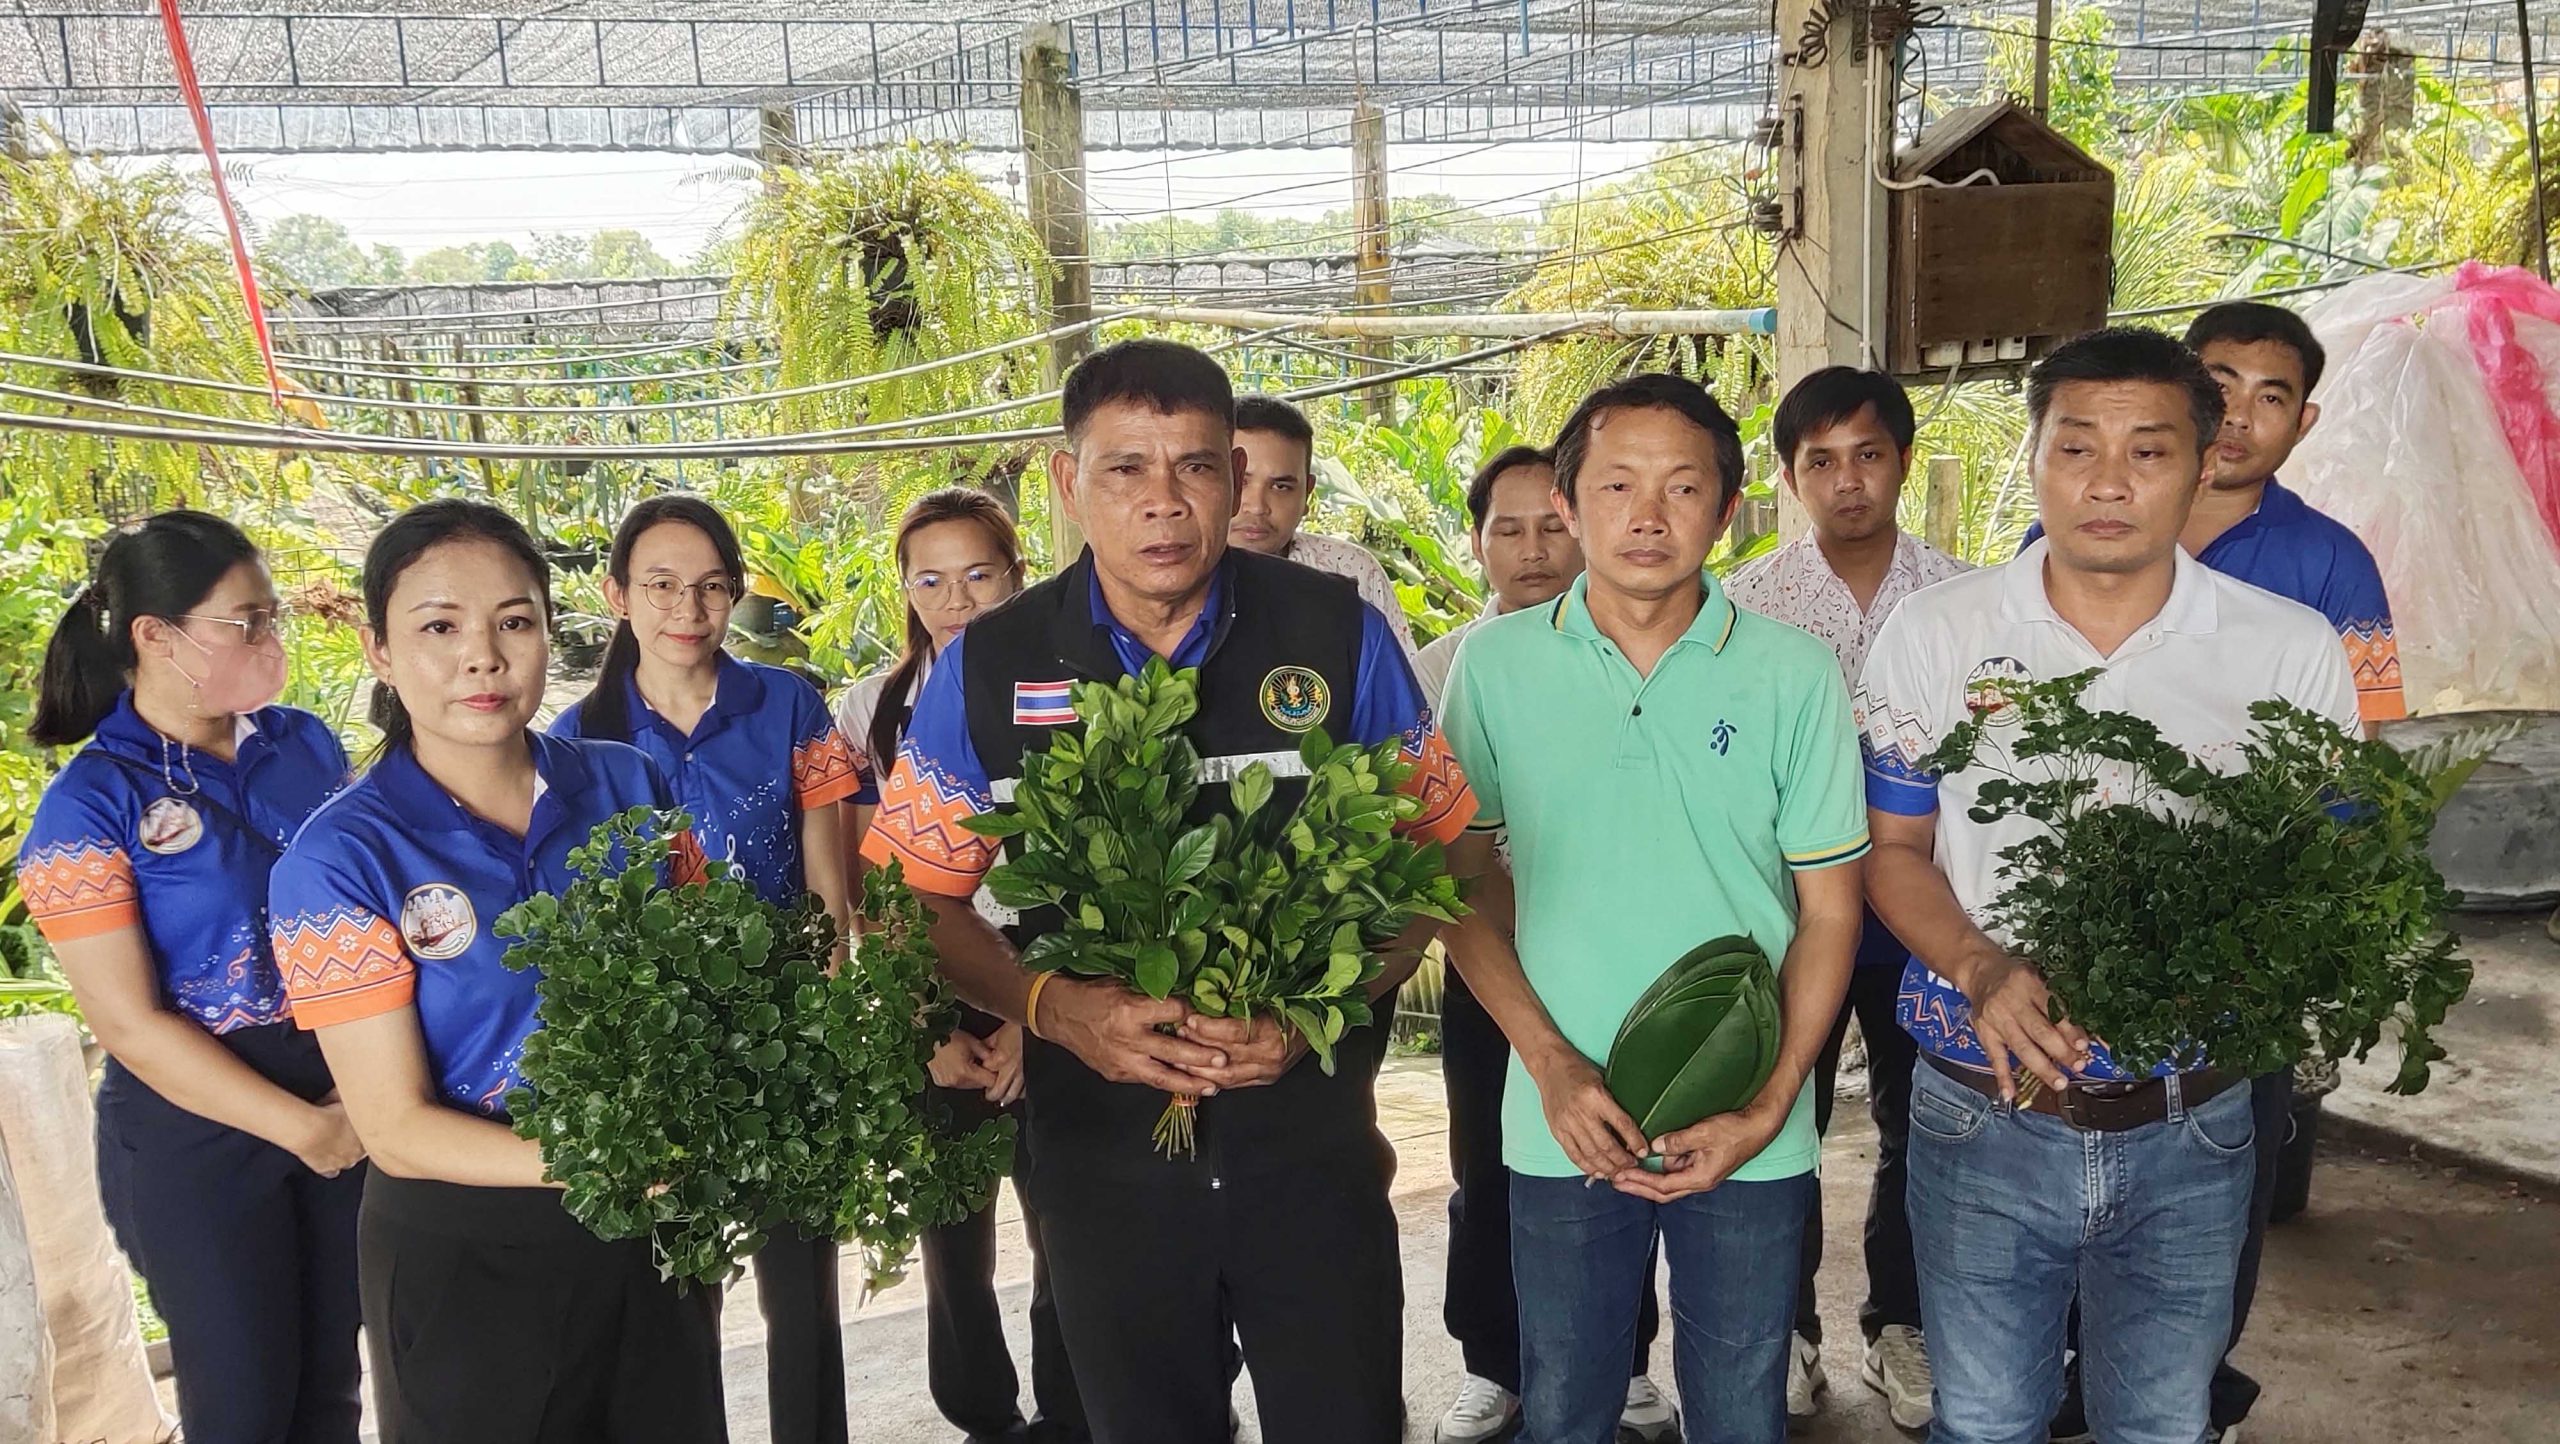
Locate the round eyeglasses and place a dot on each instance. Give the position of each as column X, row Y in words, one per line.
column 718, row 594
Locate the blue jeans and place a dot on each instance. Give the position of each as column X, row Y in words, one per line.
column 2012, row 1214
column 1580, row 1262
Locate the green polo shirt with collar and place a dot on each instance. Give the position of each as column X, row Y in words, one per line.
column 1648, row 814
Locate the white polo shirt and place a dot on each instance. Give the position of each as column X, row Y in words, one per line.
column 2216, row 647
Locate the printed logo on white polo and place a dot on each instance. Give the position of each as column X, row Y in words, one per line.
column 1043, row 704
column 1986, row 685
column 436, row 921
column 170, row 826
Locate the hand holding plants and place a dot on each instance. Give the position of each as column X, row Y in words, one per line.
column 1266, row 917
column 702, row 1078
column 2187, row 915
column 2015, row 1015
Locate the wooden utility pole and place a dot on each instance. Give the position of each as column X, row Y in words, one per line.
column 1369, row 215
column 2044, row 57
column 1834, row 136
column 1944, row 503
column 1053, row 191
column 777, row 143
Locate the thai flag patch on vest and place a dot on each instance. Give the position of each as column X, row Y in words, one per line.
column 1042, row 704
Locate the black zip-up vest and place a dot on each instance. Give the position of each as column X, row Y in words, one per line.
column 1274, row 615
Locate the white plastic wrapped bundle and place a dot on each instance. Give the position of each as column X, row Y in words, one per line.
column 102, row 1387
column 2413, row 454
column 26, row 1353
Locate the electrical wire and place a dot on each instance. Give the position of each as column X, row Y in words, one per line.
column 255, row 436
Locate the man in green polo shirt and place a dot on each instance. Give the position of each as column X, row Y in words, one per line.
column 1670, row 770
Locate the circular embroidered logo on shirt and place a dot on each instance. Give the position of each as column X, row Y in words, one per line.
column 1295, row 699
column 436, row 921
column 171, row 825
column 1986, row 686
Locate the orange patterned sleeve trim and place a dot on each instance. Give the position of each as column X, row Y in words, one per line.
column 79, row 890
column 343, row 964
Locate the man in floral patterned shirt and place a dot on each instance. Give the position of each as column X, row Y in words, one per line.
column 1844, row 445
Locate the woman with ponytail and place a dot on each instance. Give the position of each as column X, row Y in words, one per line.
column 958, row 558
column 756, row 760
column 490, row 1314
column 227, row 1167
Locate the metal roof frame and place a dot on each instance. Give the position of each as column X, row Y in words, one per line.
column 368, row 75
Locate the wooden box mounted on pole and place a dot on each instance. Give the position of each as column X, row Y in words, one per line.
column 1997, row 268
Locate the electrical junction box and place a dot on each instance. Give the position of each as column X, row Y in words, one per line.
column 2001, row 243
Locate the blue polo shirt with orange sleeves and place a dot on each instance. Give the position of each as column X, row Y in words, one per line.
column 138, row 830
column 390, row 897
column 764, row 755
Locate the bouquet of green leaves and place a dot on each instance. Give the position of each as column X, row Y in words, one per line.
column 701, row 1075
column 1254, row 911
column 2286, row 907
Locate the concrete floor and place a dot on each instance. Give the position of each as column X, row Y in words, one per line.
column 2412, row 1303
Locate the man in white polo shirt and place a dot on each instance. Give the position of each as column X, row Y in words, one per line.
column 2139, row 1204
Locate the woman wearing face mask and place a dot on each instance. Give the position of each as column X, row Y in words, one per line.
column 491, row 1315
column 958, row 557
column 758, row 763
column 227, row 1167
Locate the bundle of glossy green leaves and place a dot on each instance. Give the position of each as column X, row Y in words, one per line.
column 2256, row 915
column 1700, row 1041
column 700, row 1075
column 1257, row 910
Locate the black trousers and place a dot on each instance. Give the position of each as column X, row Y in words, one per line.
column 249, row 1255
column 493, row 1317
column 1477, row 1302
column 797, row 1291
column 1893, row 1277
column 968, row 1365
column 2271, row 1101
column 1153, row 1265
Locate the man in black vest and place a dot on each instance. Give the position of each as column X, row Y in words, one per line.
column 1279, row 1226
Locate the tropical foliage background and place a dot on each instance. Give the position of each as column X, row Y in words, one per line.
column 886, row 260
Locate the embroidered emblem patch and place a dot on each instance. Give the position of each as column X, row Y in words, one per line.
column 170, row 826
column 436, row 921
column 1042, row 704
column 1983, row 688
column 1295, row 699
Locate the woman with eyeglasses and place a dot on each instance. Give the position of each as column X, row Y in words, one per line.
column 227, row 1168
column 958, row 558
column 754, row 757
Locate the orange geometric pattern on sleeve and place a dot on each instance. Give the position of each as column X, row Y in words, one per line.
column 79, row 890
column 920, row 824
column 341, row 965
column 2373, row 655
column 826, row 769
column 1448, row 803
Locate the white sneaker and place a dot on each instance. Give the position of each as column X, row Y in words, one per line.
column 1482, row 1410
column 1805, row 1382
column 1648, row 1415
column 1897, row 1366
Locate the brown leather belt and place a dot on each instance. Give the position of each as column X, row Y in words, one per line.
column 2100, row 1105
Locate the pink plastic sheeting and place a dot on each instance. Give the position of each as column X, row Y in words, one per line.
column 2412, row 452
column 2519, row 386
